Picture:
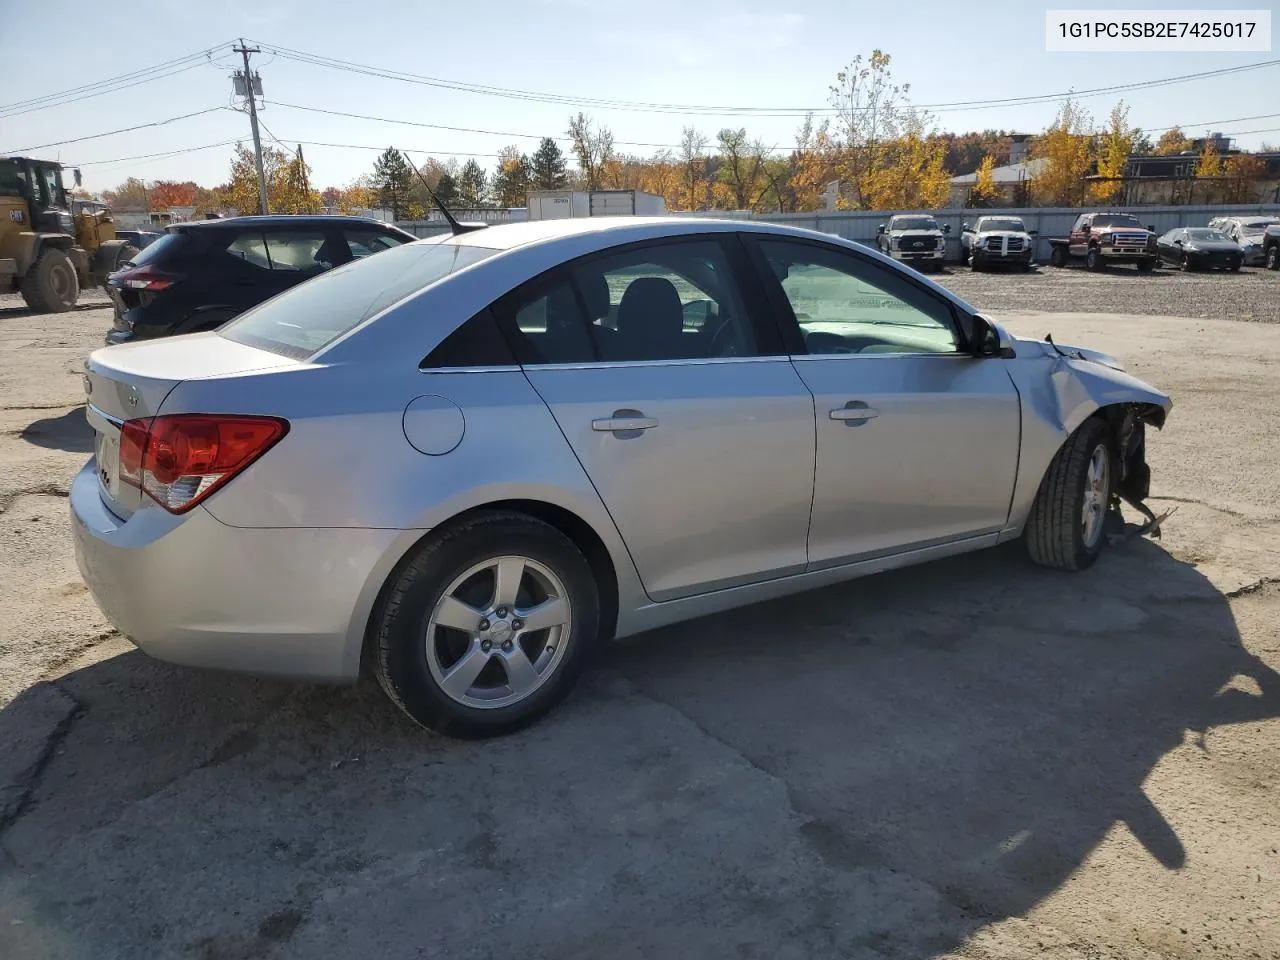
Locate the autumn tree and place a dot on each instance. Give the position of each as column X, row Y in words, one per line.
column 548, row 168
column 473, row 185
column 871, row 111
column 742, row 166
column 1172, row 141
column 1067, row 149
column 289, row 190
column 814, row 163
column 912, row 174
column 512, row 179
column 1242, row 174
column 392, row 179
column 984, row 192
column 164, row 194
column 129, row 196
column 593, row 146
column 695, row 182
column 1113, row 156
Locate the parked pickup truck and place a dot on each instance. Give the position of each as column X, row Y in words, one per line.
column 915, row 239
column 997, row 239
column 1103, row 238
column 1271, row 248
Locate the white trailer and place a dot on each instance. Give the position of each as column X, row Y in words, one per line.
column 562, row 204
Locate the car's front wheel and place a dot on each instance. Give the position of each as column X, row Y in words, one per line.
column 1067, row 525
column 1273, row 257
column 487, row 626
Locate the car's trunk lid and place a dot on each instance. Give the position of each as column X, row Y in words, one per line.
column 132, row 381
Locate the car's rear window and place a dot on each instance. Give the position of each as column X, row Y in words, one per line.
column 308, row 317
column 160, row 249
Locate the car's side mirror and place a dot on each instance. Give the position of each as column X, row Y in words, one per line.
column 988, row 339
column 946, row 228
column 1033, row 233
column 1151, row 227
column 1178, row 243
column 1085, row 228
column 965, row 225
column 880, row 229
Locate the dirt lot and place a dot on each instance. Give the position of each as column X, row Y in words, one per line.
column 1251, row 294
column 973, row 758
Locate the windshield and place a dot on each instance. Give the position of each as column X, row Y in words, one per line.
column 1204, row 233
column 1257, row 226
column 302, row 320
column 1001, row 223
column 914, row 223
column 1118, row 220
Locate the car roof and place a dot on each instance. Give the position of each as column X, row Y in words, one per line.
column 613, row 230
column 284, row 220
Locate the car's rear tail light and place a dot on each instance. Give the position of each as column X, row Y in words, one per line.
column 145, row 278
column 180, row 459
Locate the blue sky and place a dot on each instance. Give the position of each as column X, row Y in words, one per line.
column 713, row 52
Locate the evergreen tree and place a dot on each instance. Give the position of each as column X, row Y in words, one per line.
column 392, row 179
column 472, row 185
column 550, row 172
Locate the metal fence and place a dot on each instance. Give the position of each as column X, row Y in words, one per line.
column 861, row 225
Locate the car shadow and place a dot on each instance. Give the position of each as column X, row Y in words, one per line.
column 896, row 762
column 70, row 432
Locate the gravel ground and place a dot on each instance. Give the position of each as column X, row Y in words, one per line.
column 1251, row 294
column 970, row 759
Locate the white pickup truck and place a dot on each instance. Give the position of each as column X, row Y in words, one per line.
column 997, row 239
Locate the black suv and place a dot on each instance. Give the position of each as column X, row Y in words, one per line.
column 199, row 275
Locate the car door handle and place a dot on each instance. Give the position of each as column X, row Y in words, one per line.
column 624, row 423
column 854, row 412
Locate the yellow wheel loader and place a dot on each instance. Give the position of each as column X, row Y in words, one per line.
column 52, row 248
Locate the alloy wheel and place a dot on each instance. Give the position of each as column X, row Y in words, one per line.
column 498, row 632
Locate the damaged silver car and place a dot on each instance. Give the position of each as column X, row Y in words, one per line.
column 462, row 464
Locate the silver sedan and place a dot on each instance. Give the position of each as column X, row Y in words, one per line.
column 462, row 464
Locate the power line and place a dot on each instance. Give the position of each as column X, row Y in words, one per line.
column 111, row 133
column 441, row 126
column 641, row 106
column 111, row 85
column 155, row 156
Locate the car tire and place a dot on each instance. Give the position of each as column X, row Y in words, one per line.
column 51, row 286
column 1066, row 528
column 1093, row 259
column 454, row 575
column 976, row 264
column 1058, row 257
column 1185, row 264
column 1273, row 257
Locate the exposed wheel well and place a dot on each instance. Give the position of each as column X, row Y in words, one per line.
column 570, row 524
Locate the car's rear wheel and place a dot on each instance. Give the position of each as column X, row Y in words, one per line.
column 487, row 626
column 1067, row 525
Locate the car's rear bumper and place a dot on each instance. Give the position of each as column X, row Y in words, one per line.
column 191, row 590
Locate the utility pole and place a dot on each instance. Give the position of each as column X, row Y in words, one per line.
column 252, row 86
column 306, row 186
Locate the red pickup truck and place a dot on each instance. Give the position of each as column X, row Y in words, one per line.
column 1102, row 238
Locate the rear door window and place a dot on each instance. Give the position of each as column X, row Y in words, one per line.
column 299, row 251
column 250, row 248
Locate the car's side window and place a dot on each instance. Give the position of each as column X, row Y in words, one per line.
column 543, row 323
column 302, row 251
column 476, row 343
column 1081, row 222
column 250, row 248
column 670, row 301
column 844, row 304
column 365, row 242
